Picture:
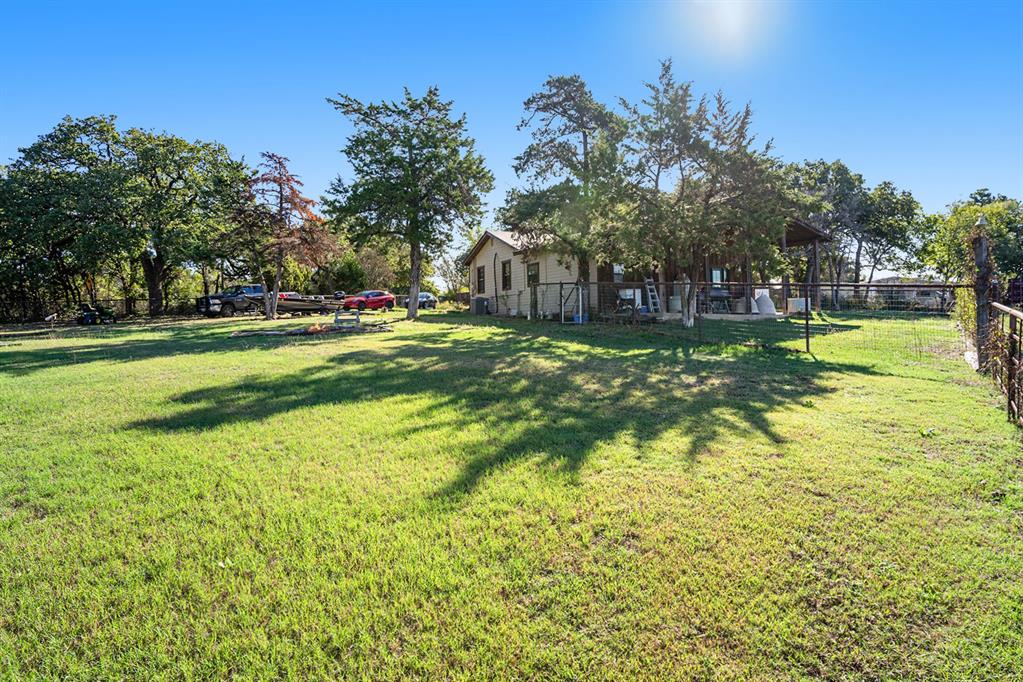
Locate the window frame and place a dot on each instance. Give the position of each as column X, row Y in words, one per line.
column 481, row 279
column 533, row 278
column 506, row 275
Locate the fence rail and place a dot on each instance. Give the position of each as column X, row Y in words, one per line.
column 914, row 317
column 1003, row 357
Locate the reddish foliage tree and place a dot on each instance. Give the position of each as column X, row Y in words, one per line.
column 276, row 222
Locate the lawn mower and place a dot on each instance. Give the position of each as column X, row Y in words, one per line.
column 98, row 315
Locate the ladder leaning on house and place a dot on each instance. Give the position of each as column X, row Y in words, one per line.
column 652, row 297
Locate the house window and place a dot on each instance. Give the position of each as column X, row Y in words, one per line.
column 532, row 274
column 481, row 279
column 618, row 272
column 505, row 275
column 717, row 275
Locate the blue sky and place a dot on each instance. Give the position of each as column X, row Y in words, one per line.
column 927, row 95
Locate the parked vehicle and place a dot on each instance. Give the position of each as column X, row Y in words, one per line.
column 370, row 300
column 229, row 301
column 98, row 315
column 298, row 304
column 427, row 300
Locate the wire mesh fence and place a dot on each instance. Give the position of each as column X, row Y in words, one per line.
column 895, row 317
column 1001, row 356
column 119, row 308
column 133, row 307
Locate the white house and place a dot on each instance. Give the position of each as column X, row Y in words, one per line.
column 501, row 270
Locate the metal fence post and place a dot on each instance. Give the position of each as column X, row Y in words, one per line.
column 982, row 291
column 806, row 315
column 561, row 300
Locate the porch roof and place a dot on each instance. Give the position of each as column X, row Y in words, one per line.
column 800, row 233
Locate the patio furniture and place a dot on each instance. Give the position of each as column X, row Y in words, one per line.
column 719, row 300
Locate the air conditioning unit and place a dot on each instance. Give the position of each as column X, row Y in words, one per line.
column 480, row 305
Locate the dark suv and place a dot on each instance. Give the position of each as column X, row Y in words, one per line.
column 229, row 301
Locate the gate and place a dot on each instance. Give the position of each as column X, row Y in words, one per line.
column 1002, row 355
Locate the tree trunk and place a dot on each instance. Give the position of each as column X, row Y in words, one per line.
column 126, row 287
column 415, row 273
column 271, row 311
column 266, row 293
column 856, row 268
column 671, row 269
column 153, row 268
column 835, row 264
column 205, row 280
column 692, row 283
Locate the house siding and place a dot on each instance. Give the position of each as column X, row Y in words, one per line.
column 516, row 300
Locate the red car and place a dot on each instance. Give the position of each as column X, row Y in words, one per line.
column 372, row 300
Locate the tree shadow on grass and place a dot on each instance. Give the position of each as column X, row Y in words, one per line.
column 706, row 333
column 116, row 345
column 556, row 397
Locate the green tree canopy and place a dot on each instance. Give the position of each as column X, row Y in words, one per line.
column 839, row 208
column 891, row 227
column 67, row 202
column 86, row 198
column 695, row 184
column 566, row 170
column 180, row 199
column 948, row 248
column 417, row 177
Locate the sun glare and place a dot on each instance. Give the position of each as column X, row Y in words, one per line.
column 732, row 30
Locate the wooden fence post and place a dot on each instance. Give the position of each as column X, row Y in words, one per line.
column 982, row 291
column 1011, row 369
column 817, row 275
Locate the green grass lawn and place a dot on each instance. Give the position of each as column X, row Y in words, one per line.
column 465, row 498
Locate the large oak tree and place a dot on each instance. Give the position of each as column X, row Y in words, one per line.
column 179, row 201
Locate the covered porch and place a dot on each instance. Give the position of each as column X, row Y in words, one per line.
column 733, row 278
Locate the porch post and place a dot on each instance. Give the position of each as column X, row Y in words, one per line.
column 816, row 276
column 785, row 287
